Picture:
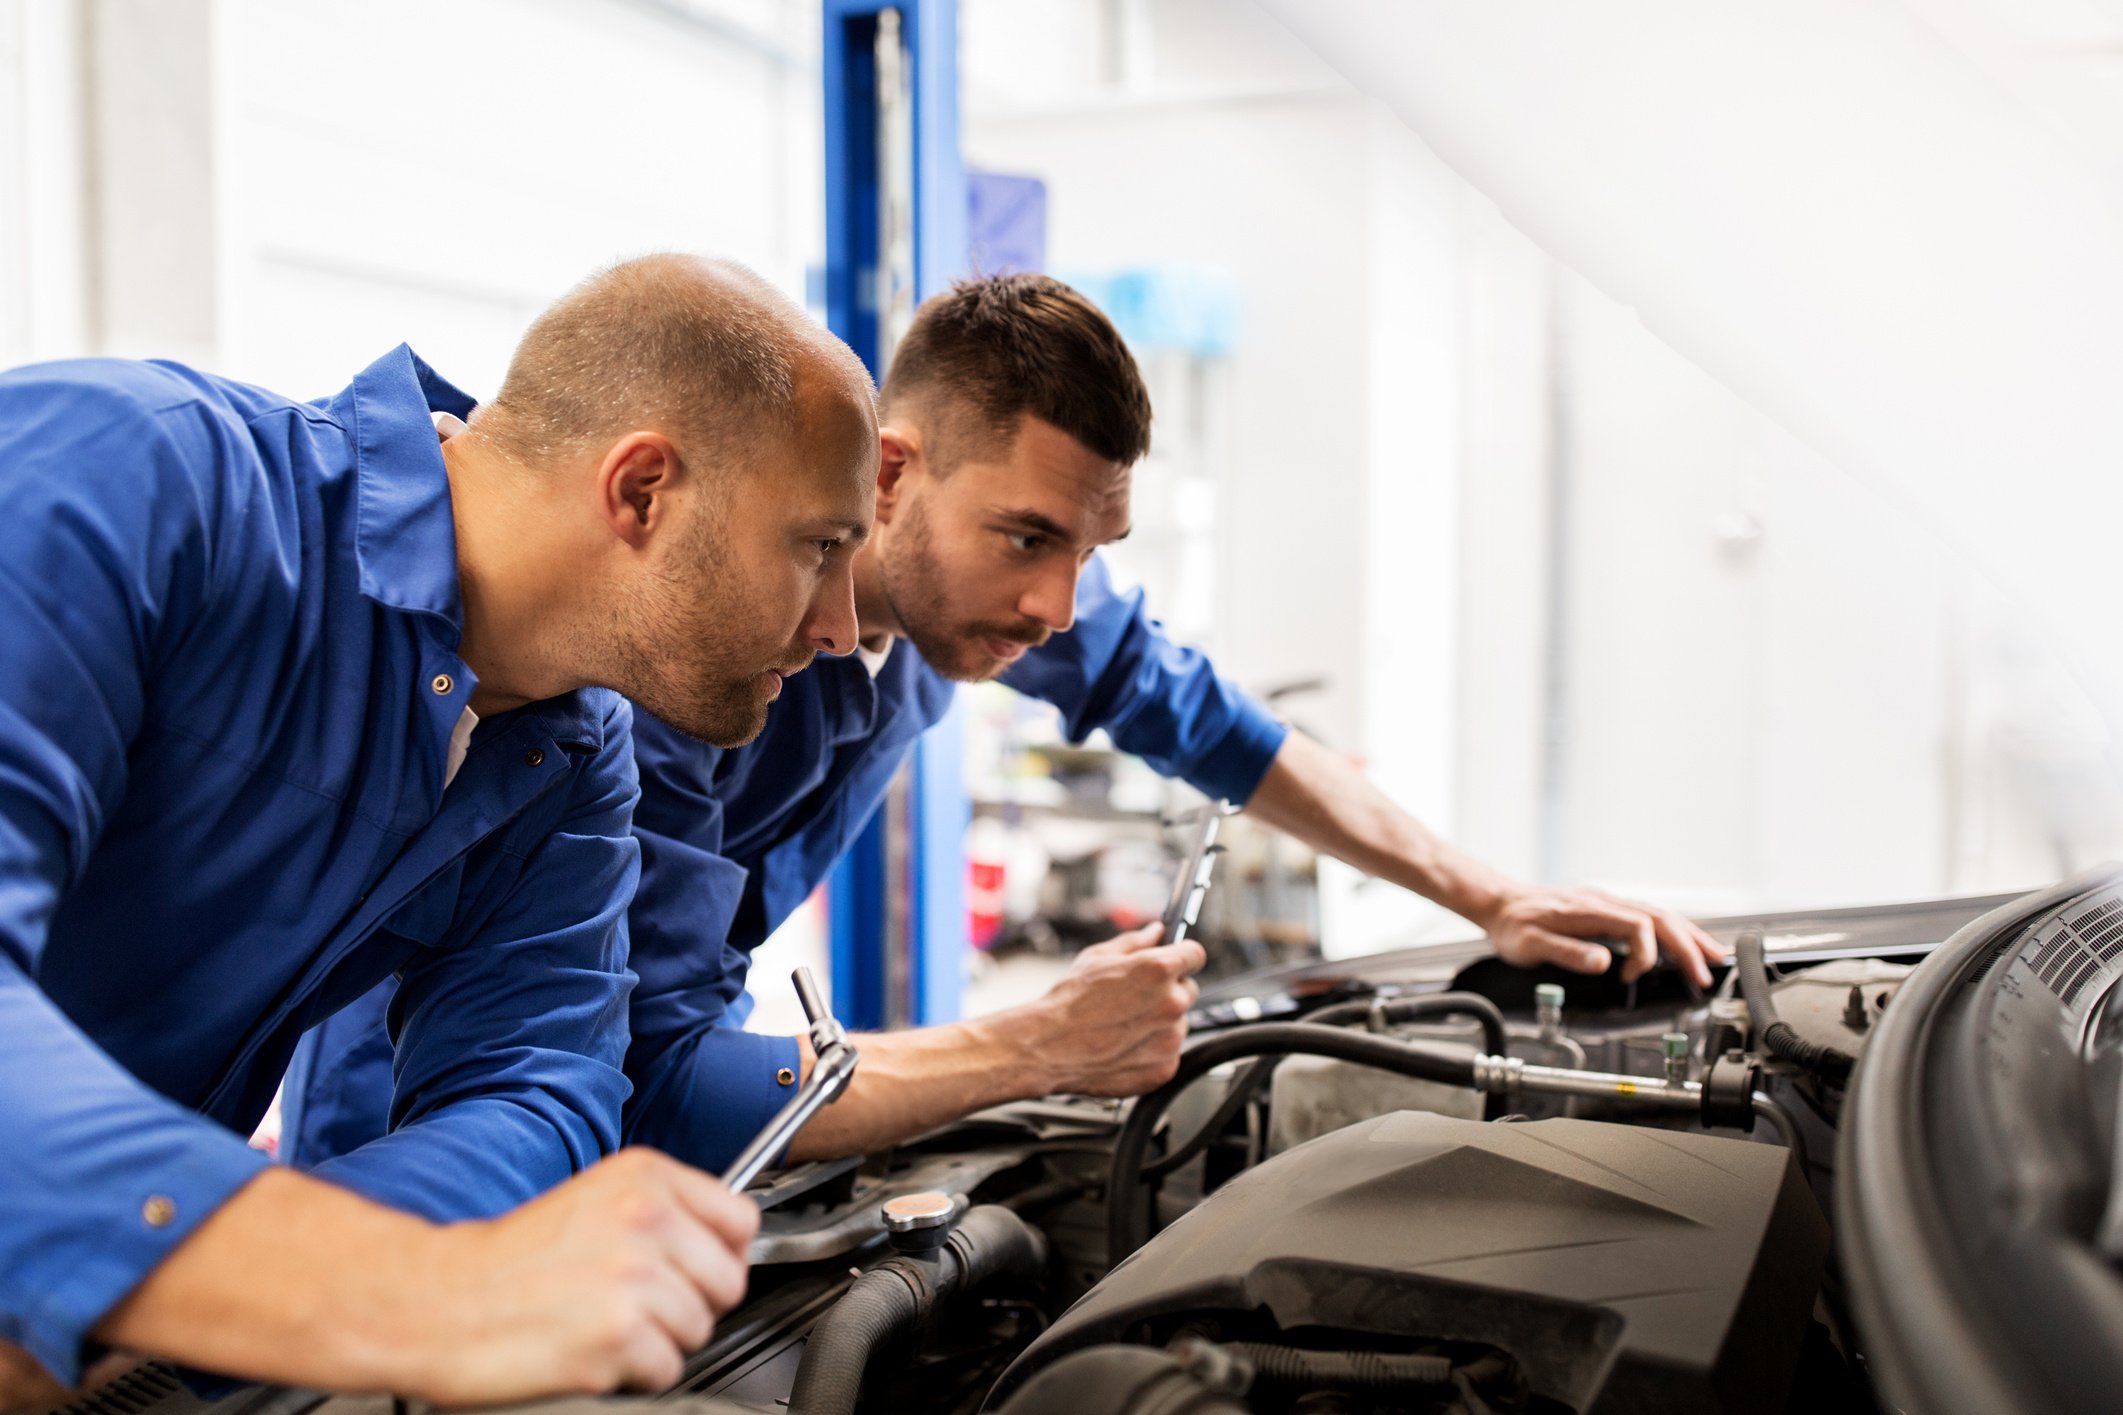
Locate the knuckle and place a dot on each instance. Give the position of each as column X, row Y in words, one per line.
column 618, row 1323
column 725, row 1287
column 639, row 1211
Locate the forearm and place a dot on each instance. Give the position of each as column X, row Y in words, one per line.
column 911, row 1082
column 1326, row 801
column 291, row 1281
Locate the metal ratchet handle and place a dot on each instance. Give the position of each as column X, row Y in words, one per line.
column 832, row 1068
column 1192, row 885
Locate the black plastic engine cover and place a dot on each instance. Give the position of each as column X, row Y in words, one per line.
column 1625, row 1268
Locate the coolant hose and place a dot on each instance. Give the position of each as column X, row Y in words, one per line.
column 1772, row 1034
column 1128, row 1197
column 893, row 1301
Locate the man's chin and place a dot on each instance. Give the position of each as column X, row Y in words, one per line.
column 965, row 660
column 727, row 724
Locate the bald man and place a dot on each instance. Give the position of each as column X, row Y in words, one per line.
column 302, row 696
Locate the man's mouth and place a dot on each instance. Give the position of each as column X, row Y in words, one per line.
column 1007, row 650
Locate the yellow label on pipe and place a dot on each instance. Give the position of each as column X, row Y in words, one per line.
column 1625, row 1088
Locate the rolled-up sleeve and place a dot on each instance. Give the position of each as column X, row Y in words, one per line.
column 510, row 1042
column 103, row 1176
column 1116, row 670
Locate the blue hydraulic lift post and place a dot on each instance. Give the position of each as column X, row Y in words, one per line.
column 859, row 892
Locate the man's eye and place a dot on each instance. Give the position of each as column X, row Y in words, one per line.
column 1027, row 541
column 827, row 547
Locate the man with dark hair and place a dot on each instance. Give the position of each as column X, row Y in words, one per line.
column 1012, row 415
column 302, row 696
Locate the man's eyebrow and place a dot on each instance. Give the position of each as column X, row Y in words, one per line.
column 1034, row 521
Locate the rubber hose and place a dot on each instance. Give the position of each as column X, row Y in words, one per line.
column 894, row 1300
column 990, row 1242
column 1436, row 1004
column 1772, row 1034
column 878, row 1309
column 1343, row 1370
column 1243, row 1086
column 1127, row 1196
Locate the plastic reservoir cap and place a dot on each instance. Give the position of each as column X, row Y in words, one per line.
column 911, row 1213
column 1548, row 995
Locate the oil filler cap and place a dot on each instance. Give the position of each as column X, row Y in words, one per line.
column 917, row 1223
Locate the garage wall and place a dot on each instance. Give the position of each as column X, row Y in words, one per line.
column 267, row 187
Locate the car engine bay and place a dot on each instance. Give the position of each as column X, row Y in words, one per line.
column 1430, row 1182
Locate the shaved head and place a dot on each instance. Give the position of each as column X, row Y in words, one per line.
column 699, row 349
column 688, row 462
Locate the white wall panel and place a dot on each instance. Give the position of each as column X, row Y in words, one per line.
column 438, row 172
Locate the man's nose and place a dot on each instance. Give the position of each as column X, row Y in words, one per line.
column 831, row 626
column 1051, row 599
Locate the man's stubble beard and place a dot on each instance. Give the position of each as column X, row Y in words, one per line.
column 913, row 584
column 715, row 701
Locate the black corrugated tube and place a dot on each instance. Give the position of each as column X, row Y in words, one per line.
column 1127, row 1194
column 893, row 1301
column 1289, row 1366
column 1771, row 1033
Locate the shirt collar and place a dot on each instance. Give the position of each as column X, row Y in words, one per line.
column 874, row 659
column 405, row 538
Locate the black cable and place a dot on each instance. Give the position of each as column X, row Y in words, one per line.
column 1128, row 1192
column 1771, row 1033
column 1398, row 1009
column 1436, row 1004
column 1243, row 1086
column 1410, row 1009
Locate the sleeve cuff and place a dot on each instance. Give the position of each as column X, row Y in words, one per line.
column 79, row 1282
column 1232, row 769
column 724, row 1093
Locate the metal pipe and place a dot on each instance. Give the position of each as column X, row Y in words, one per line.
column 1505, row 1074
column 1787, row 1128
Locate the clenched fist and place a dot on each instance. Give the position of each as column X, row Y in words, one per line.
column 608, row 1281
column 1113, row 1026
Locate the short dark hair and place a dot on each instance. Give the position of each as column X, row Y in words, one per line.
column 993, row 349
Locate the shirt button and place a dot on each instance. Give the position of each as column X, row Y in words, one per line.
column 534, row 757
column 785, row 1076
column 442, row 684
column 159, row 1210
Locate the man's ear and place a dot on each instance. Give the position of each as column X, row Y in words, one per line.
column 635, row 483
column 901, row 462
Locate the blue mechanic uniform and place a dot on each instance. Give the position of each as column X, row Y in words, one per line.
column 229, row 682
column 733, row 840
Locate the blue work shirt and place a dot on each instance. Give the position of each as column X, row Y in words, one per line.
column 733, row 840
column 229, row 679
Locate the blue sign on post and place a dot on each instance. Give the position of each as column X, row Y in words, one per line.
column 1006, row 223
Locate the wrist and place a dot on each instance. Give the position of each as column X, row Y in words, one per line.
column 1013, row 1042
column 389, row 1334
column 1480, row 898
